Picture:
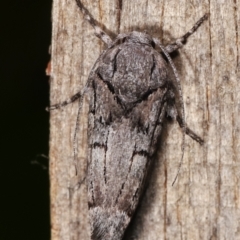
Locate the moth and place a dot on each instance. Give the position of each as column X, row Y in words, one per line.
column 131, row 93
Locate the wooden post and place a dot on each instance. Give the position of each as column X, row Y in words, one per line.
column 204, row 203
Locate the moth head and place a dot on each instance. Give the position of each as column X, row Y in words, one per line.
column 139, row 37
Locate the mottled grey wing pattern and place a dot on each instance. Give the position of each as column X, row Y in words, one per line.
column 131, row 92
column 126, row 112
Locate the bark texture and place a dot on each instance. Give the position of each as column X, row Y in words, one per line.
column 204, row 203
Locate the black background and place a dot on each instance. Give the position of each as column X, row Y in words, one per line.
column 25, row 38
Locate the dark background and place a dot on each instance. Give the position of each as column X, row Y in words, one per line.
column 25, row 38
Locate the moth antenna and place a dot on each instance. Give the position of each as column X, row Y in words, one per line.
column 180, row 41
column 98, row 31
column 179, row 88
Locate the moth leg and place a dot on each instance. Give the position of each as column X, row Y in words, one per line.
column 172, row 112
column 98, row 31
column 180, row 41
column 190, row 132
column 68, row 101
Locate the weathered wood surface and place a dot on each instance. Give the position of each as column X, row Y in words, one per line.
column 204, row 203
